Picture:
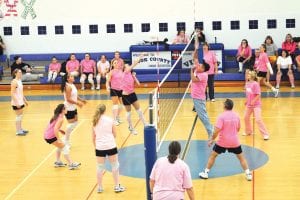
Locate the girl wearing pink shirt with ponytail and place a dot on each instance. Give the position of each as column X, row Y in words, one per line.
column 128, row 95
column 253, row 105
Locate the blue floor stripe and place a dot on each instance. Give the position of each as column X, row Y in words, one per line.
column 146, row 96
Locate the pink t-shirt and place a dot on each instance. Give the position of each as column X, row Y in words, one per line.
column 171, row 180
column 289, row 46
column 181, row 40
column 88, row 66
column 252, row 90
column 244, row 52
column 54, row 66
column 116, row 79
column 104, row 136
column 211, row 59
column 229, row 124
column 128, row 82
column 263, row 60
column 18, row 94
column 49, row 132
column 198, row 87
column 256, row 63
column 72, row 65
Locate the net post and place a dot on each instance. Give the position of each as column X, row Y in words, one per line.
column 200, row 53
column 150, row 154
column 151, row 108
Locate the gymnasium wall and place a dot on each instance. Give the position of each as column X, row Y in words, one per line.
column 51, row 13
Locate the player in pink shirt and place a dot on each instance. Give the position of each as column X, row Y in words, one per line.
column 120, row 61
column 18, row 100
column 72, row 66
column 227, row 128
column 170, row 176
column 54, row 69
column 128, row 95
column 263, row 67
column 253, row 105
column 211, row 59
column 181, row 38
column 51, row 136
column 198, row 87
column 244, row 55
column 104, row 134
column 88, row 71
column 102, row 69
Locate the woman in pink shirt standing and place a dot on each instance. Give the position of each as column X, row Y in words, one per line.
column 244, row 55
column 18, row 100
column 54, row 69
column 253, row 105
column 104, row 134
column 170, row 176
column 128, row 95
column 88, row 71
column 211, row 59
column 51, row 136
column 227, row 127
column 263, row 67
column 72, row 66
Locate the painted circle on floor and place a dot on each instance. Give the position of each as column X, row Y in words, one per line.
column 132, row 161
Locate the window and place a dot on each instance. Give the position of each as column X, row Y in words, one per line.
column 76, row 29
column 42, row 30
column 110, row 28
column 199, row 25
column 271, row 23
column 7, row 30
column 24, row 30
column 253, row 24
column 235, row 25
column 145, row 27
column 180, row 26
column 93, row 28
column 128, row 28
column 59, row 30
column 163, row 27
column 217, row 25
column 290, row 23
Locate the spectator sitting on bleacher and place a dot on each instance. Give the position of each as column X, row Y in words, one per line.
column 88, row 71
column 102, row 68
column 181, row 38
column 298, row 58
column 2, row 46
column 54, row 69
column 72, row 66
column 243, row 55
column 284, row 66
column 272, row 52
column 289, row 45
column 27, row 70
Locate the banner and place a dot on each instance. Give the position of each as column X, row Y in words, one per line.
column 152, row 59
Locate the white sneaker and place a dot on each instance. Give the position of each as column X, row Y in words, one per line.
column 132, row 130
column 59, row 164
column 293, row 87
column 249, row 177
column 100, row 190
column 116, row 122
column 98, row 88
column 277, row 87
column 246, row 134
column 266, row 137
column 93, row 88
column 203, row 175
column 119, row 120
column 82, row 88
column 119, row 188
column 74, row 165
column 276, row 91
column 212, row 100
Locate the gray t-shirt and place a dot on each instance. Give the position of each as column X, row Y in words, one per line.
column 271, row 49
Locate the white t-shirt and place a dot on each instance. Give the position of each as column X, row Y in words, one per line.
column 103, row 66
column 74, row 93
column 284, row 62
column 104, row 137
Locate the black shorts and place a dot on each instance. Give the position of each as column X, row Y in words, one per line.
column 50, row 141
column 284, row 72
column 129, row 99
column 236, row 150
column 104, row 153
column 16, row 108
column 88, row 73
column 114, row 93
column 71, row 114
column 262, row 74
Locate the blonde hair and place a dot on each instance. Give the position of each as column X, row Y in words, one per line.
column 99, row 112
column 253, row 75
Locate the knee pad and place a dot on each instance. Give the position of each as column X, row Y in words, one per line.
column 128, row 114
column 58, row 149
column 115, row 107
column 100, row 167
column 66, row 150
column 98, row 77
column 120, row 106
column 19, row 118
column 91, row 81
column 115, row 166
column 82, row 79
column 72, row 126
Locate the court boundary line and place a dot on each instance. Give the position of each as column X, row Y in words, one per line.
column 35, row 169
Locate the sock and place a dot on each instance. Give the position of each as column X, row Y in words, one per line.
column 206, row 170
column 247, row 171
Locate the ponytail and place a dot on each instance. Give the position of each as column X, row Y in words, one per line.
column 58, row 110
column 63, row 82
column 174, row 151
column 99, row 112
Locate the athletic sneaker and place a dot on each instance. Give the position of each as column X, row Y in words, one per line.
column 203, row 175
column 82, row 88
column 276, row 91
column 25, row 131
column 59, row 164
column 119, row 120
column 98, row 88
column 212, row 100
column 116, row 122
column 20, row 133
column 249, row 177
column 92, row 88
column 277, row 87
column 246, row 134
column 132, row 130
column 293, row 87
column 100, row 190
column 266, row 137
column 74, row 165
column 119, row 188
